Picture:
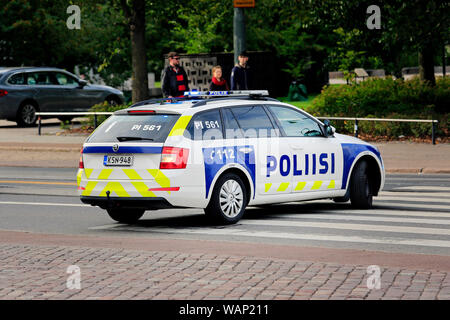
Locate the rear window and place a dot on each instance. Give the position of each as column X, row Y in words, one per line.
column 135, row 128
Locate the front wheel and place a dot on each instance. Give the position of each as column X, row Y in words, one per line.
column 228, row 200
column 125, row 215
column 360, row 187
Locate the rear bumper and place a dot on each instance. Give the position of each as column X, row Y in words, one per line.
column 129, row 202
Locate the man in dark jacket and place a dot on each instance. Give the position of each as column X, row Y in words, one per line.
column 174, row 80
column 240, row 75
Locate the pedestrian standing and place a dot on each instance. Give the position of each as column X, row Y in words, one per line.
column 217, row 82
column 174, row 79
column 240, row 75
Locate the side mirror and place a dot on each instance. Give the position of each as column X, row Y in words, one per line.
column 329, row 129
column 82, row 83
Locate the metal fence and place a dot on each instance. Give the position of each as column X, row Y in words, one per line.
column 356, row 120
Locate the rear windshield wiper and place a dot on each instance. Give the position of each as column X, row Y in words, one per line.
column 121, row 139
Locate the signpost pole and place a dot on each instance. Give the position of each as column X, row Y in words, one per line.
column 239, row 32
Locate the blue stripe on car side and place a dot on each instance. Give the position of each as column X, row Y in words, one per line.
column 122, row 149
column 350, row 152
column 216, row 158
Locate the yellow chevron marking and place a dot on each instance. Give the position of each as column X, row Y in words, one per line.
column 115, row 187
column 332, row 185
column 142, row 188
column 79, row 174
column 89, row 187
column 267, row 187
column 283, row 186
column 180, row 125
column 160, row 178
column 132, row 174
column 300, row 186
column 317, row 185
column 88, row 172
column 105, row 174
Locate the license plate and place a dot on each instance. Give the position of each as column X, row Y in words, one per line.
column 122, row 160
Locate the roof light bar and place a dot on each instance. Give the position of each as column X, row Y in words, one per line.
column 226, row 93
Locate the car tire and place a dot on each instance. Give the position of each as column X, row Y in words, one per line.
column 125, row 215
column 360, row 187
column 228, row 200
column 26, row 115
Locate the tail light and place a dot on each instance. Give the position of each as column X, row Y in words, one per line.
column 174, row 158
column 3, row 92
column 81, row 164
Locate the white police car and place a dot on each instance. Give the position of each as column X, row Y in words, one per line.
column 222, row 154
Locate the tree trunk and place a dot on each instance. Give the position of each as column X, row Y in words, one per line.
column 138, row 52
column 426, row 64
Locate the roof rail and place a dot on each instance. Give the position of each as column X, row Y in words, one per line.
column 162, row 101
column 245, row 97
column 200, row 95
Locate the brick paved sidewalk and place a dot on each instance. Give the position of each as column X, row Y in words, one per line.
column 40, row 272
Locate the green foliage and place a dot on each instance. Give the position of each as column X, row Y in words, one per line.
column 387, row 98
column 104, row 107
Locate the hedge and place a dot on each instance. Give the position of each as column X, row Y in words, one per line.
column 387, row 98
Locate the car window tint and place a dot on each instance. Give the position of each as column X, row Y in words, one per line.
column 135, row 128
column 17, row 78
column 254, row 121
column 31, row 78
column 42, row 78
column 205, row 126
column 296, row 123
column 231, row 125
column 65, row 80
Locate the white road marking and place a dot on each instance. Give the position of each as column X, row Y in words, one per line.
column 45, row 204
column 392, row 204
column 347, row 226
column 293, row 236
column 432, row 201
column 427, row 188
column 364, row 218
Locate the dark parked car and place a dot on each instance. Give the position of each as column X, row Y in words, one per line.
column 27, row 90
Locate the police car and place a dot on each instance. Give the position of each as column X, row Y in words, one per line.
column 222, row 152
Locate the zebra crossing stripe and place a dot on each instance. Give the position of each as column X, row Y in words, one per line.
column 365, row 218
column 414, row 199
column 349, row 226
column 294, row 236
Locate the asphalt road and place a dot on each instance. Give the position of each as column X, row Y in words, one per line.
column 412, row 215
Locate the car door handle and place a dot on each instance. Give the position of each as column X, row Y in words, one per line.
column 296, row 147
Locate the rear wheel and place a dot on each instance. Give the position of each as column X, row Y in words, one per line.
column 360, row 187
column 228, row 200
column 125, row 215
column 26, row 115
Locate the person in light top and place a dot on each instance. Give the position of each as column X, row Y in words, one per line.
column 218, row 83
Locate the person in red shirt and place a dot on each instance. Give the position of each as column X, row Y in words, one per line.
column 218, row 83
column 174, row 80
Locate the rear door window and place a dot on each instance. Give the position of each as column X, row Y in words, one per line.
column 205, row 126
column 135, row 128
column 254, row 121
column 41, row 78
